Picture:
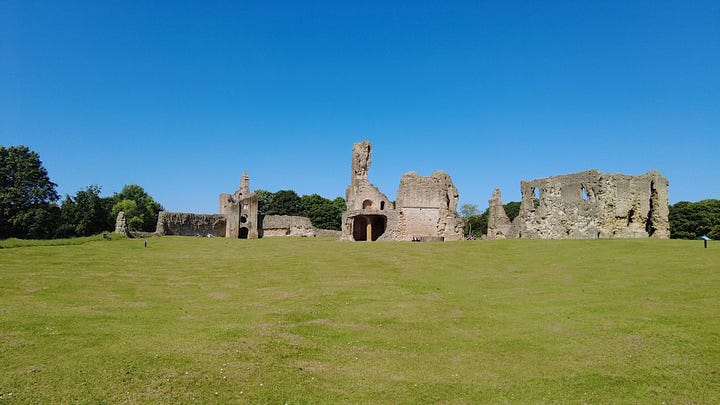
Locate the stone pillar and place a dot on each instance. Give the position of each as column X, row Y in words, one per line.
column 369, row 231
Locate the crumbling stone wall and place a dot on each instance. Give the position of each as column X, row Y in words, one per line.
column 426, row 207
column 498, row 222
column 592, row 204
column 286, row 225
column 121, row 226
column 186, row 224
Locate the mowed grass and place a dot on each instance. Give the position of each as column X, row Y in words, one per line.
column 321, row 321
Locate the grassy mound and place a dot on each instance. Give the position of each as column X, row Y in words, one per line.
column 322, row 321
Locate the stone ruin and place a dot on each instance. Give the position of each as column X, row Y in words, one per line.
column 425, row 210
column 586, row 205
column 238, row 218
column 498, row 222
column 287, row 225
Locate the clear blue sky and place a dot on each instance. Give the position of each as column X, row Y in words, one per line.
column 182, row 97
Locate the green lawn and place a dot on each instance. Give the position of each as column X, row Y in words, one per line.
column 321, row 321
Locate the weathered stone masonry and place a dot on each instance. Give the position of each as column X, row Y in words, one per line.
column 589, row 205
column 426, row 207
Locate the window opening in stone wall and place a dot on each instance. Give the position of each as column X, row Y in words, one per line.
column 367, row 204
column 243, row 219
column 382, row 205
column 631, row 213
column 584, row 193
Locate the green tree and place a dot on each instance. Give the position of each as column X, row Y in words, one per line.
column 323, row 213
column 86, row 214
column 512, row 209
column 283, row 202
column 690, row 220
column 467, row 211
column 27, row 196
column 141, row 210
column 264, row 198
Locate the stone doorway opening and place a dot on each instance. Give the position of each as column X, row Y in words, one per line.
column 368, row 227
column 243, row 233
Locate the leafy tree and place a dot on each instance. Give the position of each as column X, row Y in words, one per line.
column 284, row 202
column 27, row 195
column 323, row 213
column 690, row 220
column 467, row 211
column 477, row 224
column 264, row 198
column 141, row 210
column 86, row 214
column 512, row 209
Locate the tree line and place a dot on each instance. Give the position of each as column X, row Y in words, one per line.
column 29, row 207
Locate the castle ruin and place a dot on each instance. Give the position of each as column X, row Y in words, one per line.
column 238, row 218
column 587, row 205
column 426, row 207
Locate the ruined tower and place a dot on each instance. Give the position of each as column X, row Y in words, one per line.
column 241, row 211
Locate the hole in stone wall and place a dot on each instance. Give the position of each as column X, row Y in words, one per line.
column 243, row 219
column 243, row 234
column 584, row 192
column 382, row 205
column 536, row 193
column 367, row 204
column 631, row 213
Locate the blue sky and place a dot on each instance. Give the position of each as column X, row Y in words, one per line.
column 182, row 97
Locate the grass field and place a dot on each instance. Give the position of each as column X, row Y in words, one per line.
column 321, row 321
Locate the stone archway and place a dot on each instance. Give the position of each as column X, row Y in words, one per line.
column 243, row 233
column 368, row 227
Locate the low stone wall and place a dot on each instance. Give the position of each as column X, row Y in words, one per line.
column 286, row 225
column 187, row 224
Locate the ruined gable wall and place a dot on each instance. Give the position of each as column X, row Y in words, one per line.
column 186, row 224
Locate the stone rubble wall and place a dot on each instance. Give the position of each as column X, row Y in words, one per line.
column 592, row 204
column 498, row 222
column 287, row 225
column 187, row 224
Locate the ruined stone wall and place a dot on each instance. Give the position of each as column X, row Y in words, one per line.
column 428, row 206
column 286, row 225
column 425, row 207
column 591, row 204
column 498, row 222
column 361, row 194
column 186, row 224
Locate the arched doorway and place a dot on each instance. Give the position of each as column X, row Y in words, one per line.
column 243, row 234
column 368, row 227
